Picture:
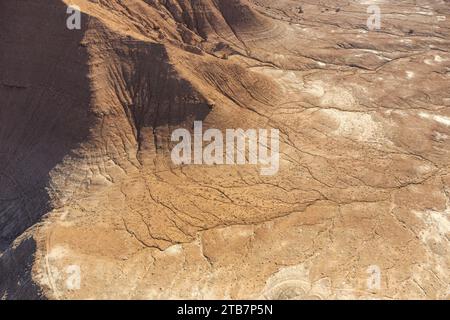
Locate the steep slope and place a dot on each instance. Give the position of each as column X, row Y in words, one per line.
column 42, row 117
column 87, row 181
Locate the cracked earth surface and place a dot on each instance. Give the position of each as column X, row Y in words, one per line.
column 87, row 180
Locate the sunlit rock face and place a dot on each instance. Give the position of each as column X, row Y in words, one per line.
column 92, row 204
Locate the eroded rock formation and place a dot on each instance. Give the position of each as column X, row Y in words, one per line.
column 86, row 177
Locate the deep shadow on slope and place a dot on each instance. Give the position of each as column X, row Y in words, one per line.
column 44, row 114
column 16, row 265
column 160, row 100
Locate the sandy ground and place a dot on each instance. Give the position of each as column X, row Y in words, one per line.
column 91, row 205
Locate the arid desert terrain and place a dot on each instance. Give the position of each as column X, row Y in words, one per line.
column 92, row 205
